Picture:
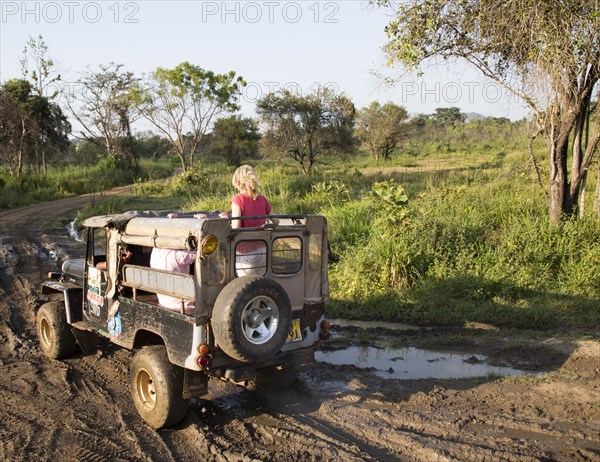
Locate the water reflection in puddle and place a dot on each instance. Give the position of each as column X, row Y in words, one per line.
column 414, row 363
column 373, row 324
column 73, row 234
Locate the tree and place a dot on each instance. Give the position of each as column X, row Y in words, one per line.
column 38, row 68
column 448, row 117
column 107, row 110
column 13, row 131
column 151, row 145
column 381, row 128
column 235, row 138
column 182, row 103
column 307, row 126
column 29, row 124
column 546, row 52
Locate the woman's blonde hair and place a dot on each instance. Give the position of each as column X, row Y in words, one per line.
column 245, row 177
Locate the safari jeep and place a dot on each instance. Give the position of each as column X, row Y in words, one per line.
column 258, row 296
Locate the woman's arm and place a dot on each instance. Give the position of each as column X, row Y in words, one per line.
column 236, row 211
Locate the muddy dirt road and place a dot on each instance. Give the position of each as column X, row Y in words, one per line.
column 80, row 409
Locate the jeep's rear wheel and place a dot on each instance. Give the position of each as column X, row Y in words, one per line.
column 157, row 387
column 251, row 319
column 54, row 333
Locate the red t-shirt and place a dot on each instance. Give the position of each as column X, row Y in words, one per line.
column 252, row 207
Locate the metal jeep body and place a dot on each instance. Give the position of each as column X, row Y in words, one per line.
column 259, row 296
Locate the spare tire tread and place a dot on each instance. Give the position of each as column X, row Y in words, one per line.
column 227, row 312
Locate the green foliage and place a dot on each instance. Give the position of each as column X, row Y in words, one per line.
column 196, row 183
column 40, row 69
column 234, row 139
column 33, row 129
column 474, row 254
column 390, row 201
column 306, row 127
column 68, row 181
column 440, row 238
column 183, row 101
column 505, row 41
column 107, row 110
column 149, row 145
column 448, row 117
column 335, row 192
column 381, row 128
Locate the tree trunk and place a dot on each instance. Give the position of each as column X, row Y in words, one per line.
column 560, row 203
column 180, row 149
column 597, row 193
column 184, row 164
column 581, row 204
column 21, row 147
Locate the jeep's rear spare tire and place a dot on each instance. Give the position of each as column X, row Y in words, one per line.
column 251, row 319
column 54, row 333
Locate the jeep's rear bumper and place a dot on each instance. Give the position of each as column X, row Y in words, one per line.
column 242, row 372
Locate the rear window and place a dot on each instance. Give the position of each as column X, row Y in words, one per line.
column 251, row 258
column 286, row 255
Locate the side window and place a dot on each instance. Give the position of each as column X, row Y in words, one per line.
column 286, row 255
column 96, row 251
column 251, row 258
column 215, row 263
column 314, row 252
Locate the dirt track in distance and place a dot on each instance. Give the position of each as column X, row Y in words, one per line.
column 80, row 409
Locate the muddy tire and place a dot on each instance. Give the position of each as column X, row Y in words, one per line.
column 251, row 319
column 273, row 379
column 156, row 387
column 54, row 333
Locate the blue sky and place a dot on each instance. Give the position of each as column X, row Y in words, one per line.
column 297, row 45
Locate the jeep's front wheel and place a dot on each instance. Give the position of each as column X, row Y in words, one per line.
column 251, row 319
column 156, row 387
column 54, row 333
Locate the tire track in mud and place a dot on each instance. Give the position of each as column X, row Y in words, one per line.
column 87, row 420
column 76, row 410
column 260, row 428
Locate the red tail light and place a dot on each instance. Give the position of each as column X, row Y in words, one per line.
column 325, row 334
column 203, row 361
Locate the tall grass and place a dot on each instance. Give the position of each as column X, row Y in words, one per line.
column 482, row 252
column 472, row 245
column 67, row 181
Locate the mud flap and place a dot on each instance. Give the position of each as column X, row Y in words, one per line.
column 88, row 341
column 194, row 384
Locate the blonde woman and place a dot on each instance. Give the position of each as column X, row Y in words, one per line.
column 251, row 256
column 249, row 202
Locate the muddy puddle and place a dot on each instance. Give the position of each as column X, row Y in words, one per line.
column 415, row 363
column 73, row 233
column 380, row 356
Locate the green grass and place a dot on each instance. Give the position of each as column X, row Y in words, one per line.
column 475, row 253
column 68, row 181
column 473, row 245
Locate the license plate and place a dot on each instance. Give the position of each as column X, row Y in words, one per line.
column 295, row 333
